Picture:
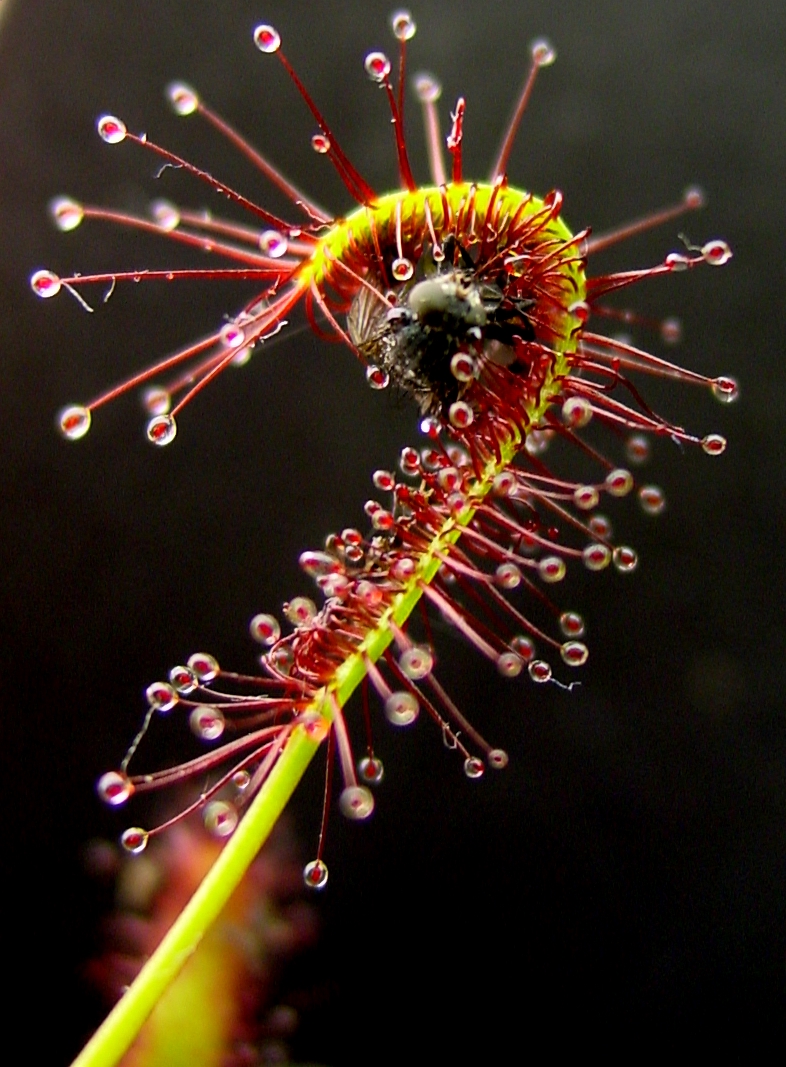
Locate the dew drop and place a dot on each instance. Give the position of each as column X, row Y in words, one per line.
column 282, row 659
column 315, row 875
column 207, row 722
column 637, row 449
column 473, row 767
column 161, row 696
column 497, row 759
column 45, row 284
column 537, row 442
column 461, row 415
column 586, row 497
column 377, row 66
column 114, row 788
column 220, row 818
column 725, row 389
column 383, row 520
column 204, row 666
column 162, row 430
column 580, row 310
column 551, row 568
column 596, row 557
column 74, row 421
column 356, row 802
column 716, row 253
column 713, row 444
column 334, row 585
column 320, row 143
column 111, row 129
column 427, row 89
column 242, row 356
column 265, row 629
column 505, row 483
column 409, row 461
column 241, row 780
column 134, row 840
column 371, row 770
column 165, row 214
column 403, row 25
column 625, row 559
column 376, row 377
column 384, row 480
column 574, row 653
column 523, row 647
column 183, row 679
column 652, row 499
column 156, row 401
column 509, row 664
column 449, row 479
column 600, row 526
column 416, row 662
column 507, row 575
column 694, row 197
column 401, row 709
column 182, row 97
column 403, row 569
column 576, row 412
column 572, row 624
column 66, row 212
column 671, row 331
column 430, row 426
column 463, row 367
column 619, row 482
column 677, row 261
column 318, row 563
column 402, row 269
column 543, row 53
column 300, row 610
column 267, row 39
column 539, row 671
column 273, row 244
column 232, row 336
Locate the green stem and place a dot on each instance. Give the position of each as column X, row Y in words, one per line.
column 121, row 1026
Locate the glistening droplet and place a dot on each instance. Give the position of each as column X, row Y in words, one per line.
column 265, row 629
column 356, row 802
column 66, row 212
column 377, row 66
column 183, row 98
column 473, row 767
column 161, row 430
column 114, row 788
column 207, row 722
column 74, row 421
column 401, row 708
column 267, row 39
column 371, row 770
column 161, row 696
column 111, row 129
column 315, row 875
column 204, row 666
column 134, row 839
column 220, row 818
column 416, row 662
column 45, row 284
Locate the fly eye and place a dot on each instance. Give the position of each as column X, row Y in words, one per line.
column 431, row 296
column 398, row 316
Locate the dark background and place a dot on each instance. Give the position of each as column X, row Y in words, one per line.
column 626, row 873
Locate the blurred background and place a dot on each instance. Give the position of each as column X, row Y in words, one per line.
column 626, row 872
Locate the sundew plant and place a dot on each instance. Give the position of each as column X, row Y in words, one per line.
column 470, row 296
